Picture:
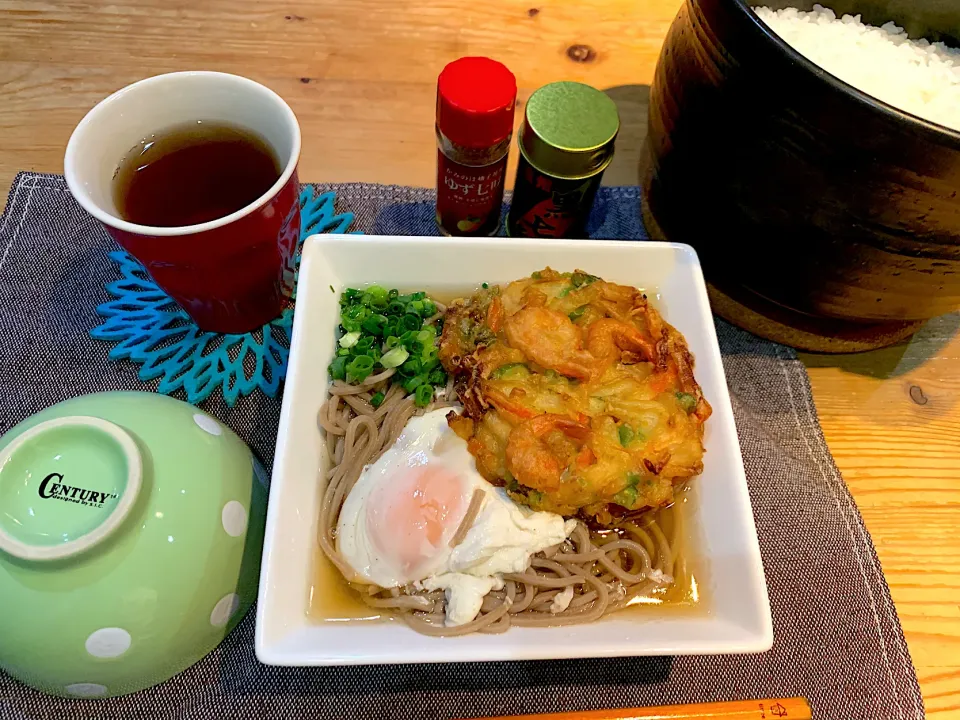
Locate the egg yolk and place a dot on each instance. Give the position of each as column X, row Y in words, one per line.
column 414, row 514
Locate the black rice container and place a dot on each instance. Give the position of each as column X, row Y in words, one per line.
column 824, row 218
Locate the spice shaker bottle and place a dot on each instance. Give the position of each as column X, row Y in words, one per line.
column 475, row 102
column 566, row 142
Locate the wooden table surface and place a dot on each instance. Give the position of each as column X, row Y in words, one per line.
column 361, row 77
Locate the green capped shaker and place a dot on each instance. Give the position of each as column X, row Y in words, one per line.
column 566, row 142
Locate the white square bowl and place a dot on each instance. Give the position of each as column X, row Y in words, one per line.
column 735, row 617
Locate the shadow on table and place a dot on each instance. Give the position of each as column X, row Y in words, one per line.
column 633, row 104
column 454, row 677
column 899, row 359
column 241, row 673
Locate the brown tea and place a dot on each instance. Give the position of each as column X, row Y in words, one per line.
column 193, row 173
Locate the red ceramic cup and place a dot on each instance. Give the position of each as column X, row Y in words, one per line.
column 233, row 274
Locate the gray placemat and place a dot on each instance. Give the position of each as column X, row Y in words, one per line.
column 837, row 638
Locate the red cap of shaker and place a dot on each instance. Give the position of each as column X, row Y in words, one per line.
column 475, row 101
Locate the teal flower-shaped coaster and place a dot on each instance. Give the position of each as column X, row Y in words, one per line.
column 150, row 329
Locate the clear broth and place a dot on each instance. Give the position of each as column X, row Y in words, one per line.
column 333, row 600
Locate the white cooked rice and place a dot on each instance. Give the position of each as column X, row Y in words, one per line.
column 917, row 76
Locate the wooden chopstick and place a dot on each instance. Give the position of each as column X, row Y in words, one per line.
column 796, row 708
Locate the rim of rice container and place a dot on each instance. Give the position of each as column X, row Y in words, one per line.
column 836, row 83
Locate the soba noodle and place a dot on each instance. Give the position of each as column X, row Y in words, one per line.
column 605, row 569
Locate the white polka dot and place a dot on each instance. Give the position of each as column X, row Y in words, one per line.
column 208, row 424
column 86, row 690
column 108, row 642
column 224, row 610
column 234, row 518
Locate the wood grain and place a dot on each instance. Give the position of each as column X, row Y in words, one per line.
column 892, row 420
column 361, row 77
column 758, row 709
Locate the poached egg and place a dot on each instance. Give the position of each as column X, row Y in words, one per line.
column 398, row 521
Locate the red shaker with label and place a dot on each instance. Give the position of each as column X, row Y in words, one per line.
column 476, row 97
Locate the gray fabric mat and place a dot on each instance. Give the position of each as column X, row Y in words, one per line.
column 837, row 638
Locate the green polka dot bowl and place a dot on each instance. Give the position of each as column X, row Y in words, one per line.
column 131, row 527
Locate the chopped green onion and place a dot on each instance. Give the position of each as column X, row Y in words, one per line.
column 423, row 395
column 633, row 479
column 484, row 335
column 363, row 344
column 350, row 339
column 356, row 312
column 626, row 434
column 393, row 358
column 359, row 368
column 375, row 295
column 412, row 383
column 578, row 280
column 374, row 324
column 582, row 278
column 510, row 370
column 536, row 275
column 338, row 368
column 626, row 498
column 413, row 366
column 578, row 313
column 382, row 329
column 687, row 401
column 484, row 285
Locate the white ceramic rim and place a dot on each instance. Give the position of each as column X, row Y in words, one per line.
column 86, row 202
column 286, row 635
column 25, row 551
